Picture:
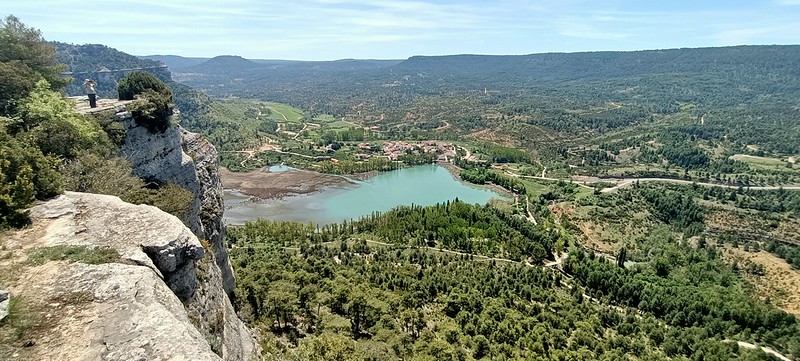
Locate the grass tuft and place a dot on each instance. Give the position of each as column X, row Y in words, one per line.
column 84, row 254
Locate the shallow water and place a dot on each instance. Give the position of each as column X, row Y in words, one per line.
column 420, row 185
column 278, row 168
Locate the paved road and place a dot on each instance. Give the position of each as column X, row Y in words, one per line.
column 624, row 182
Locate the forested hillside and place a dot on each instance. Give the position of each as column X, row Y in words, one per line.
column 417, row 283
column 105, row 65
column 707, row 102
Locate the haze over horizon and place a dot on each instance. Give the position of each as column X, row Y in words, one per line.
column 398, row 29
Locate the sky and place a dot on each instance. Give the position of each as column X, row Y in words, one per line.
column 398, row 29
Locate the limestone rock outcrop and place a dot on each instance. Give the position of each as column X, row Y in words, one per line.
column 160, row 158
column 154, row 301
column 211, row 204
column 5, row 301
column 189, row 160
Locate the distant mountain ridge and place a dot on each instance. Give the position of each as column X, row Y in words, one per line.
column 94, row 57
column 522, row 70
column 223, row 64
column 175, row 62
column 603, row 65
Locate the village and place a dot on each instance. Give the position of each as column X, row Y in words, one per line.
column 395, row 149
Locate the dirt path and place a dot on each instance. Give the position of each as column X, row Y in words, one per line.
column 515, row 175
column 625, row 182
column 305, row 126
column 443, row 127
column 768, row 350
column 283, row 115
column 528, row 210
column 559, row 260
column 468, row 156
column 457, row 253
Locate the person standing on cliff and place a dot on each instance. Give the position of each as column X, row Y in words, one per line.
column 91, row 90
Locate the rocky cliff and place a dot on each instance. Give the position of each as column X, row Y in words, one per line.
column 102, row 279
column 189, row 160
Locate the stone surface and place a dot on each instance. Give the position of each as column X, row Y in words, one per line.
column 125, row 310
column 5, row 302
column 141, row 234
column 206, row 162
column 162, row 300
column 189, row 160
column 134, row 316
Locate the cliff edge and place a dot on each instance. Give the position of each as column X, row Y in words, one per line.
column 97, row 278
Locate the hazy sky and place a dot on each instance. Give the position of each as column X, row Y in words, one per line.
column 383, row 29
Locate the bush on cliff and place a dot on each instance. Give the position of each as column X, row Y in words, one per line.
column 26, row 174
column 153, row 106
column 55, row 126
column 170, row 198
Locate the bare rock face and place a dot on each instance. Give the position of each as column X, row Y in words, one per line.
column 159, row 157
column 135, row 316
column 189, row 160
column 141, row 234
column 162, row 299
column 211, row 204
column 5, row 301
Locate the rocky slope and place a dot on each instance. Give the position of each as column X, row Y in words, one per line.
column 134, row 304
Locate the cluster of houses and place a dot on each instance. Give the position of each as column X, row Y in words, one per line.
column 394, row 149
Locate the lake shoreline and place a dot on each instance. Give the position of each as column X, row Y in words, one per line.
column 334, row 198
column 455, row 171
column 264, row 185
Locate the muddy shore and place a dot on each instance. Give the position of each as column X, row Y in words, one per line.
column 262, row 183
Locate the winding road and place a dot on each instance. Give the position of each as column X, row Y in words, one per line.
column 625, row 182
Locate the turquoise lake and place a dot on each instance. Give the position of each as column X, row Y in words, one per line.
column 420, row 185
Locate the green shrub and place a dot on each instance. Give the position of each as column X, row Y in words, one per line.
column 153, row 106
column 54, row 124
column 152, row 110
column 22, row 44
column 18, row 81
column 138, row 82
column 25, row 175
column 91, row 172
column 170, row 198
